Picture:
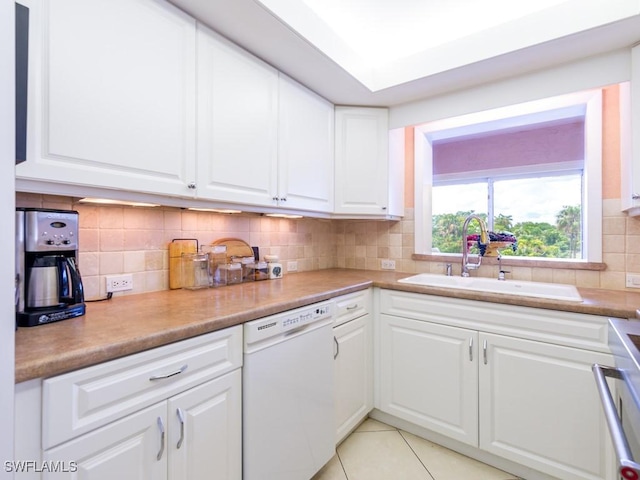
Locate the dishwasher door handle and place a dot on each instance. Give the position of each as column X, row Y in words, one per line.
column 296, row 330
column 628, row 468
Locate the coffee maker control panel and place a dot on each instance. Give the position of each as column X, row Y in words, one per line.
column 50, row 231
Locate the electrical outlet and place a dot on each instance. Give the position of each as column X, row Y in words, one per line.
column 388, row 264
column 292, row 266
column 633, row 280
column 119, row 283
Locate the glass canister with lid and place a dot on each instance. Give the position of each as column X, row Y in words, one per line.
column 248, row 268
column 217, row 261
column 195, row 270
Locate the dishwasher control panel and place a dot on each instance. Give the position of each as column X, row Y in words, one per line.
column 287, row 322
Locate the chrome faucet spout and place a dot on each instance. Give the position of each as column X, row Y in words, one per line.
column 484, row 238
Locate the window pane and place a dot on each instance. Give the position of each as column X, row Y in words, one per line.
column 543, row 213
column 450, row 206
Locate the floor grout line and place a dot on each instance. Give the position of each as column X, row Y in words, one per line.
column 416, row 455
column 344, row 470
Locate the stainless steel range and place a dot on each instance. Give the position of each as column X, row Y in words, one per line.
column 623, row 412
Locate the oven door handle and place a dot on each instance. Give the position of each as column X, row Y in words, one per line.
column 628, row 468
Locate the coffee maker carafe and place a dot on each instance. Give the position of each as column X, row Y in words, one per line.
column 49, row 283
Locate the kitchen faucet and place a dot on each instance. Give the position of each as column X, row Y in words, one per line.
column 484, row 239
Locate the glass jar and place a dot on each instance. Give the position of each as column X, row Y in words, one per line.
column 195, row 270
column 248, row 268
column 217, row 259
column 233, row 273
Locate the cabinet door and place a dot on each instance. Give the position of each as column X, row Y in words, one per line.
column 237, row 123
column 362, row 161
column 353, row 369
column 630, row 138
column 429, row 376
column 111, row 95
column 205, row 439
column 305, row 148
column 539, row 407
column 129, row 449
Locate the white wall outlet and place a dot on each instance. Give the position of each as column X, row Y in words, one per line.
column 119, row 283
column 292, row 266
column 633, row 280
column 388, row 264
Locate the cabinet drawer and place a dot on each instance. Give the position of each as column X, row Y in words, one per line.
column 352, row 305
column 579, row 330
column 80, row 401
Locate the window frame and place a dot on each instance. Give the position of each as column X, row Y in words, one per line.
column 586, row 104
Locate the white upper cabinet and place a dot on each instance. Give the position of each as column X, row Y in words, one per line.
column 305, row 148
column 130, row 97
column 630, row 138
column 237, row 124
column 111, row 95
column 366, row 182
column 263, row 139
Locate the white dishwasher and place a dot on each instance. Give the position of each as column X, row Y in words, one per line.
column 287, row 394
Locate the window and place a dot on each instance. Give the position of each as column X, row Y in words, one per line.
column 543, row 211
column 551, row 199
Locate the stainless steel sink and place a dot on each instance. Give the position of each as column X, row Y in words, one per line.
column 554, row 291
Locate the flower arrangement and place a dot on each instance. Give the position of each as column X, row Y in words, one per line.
column 497, row 241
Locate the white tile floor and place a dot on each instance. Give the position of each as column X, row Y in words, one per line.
column 376, row 451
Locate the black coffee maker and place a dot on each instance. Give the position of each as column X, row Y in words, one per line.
column 49, row 287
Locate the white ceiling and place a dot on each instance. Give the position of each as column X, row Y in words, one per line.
column 388, row 52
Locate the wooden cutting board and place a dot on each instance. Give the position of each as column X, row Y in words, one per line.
column 177, row 247
column 236, row 247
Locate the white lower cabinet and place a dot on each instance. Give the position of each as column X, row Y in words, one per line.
column 126, row 450
column 194, row 435
column 173, row 412
column 539, row 407
column 430, row 376
column 353, row 367
column 205, row 430
column 457, row 368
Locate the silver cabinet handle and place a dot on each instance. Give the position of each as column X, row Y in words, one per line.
column 471, row 349
column 352, row 307
column 192, row 186
column 335, row 355
column 484, row 352
column 635, row 196
column 170, row 374
column 627, row 467
column 180, row 414
column 275, row 199
column 161, row 427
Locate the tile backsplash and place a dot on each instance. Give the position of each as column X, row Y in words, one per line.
column 135, row 240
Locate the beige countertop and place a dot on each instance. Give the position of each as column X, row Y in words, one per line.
column 129, row 324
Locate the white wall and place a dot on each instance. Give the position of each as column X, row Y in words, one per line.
column 7, row 200
column 594, row 72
